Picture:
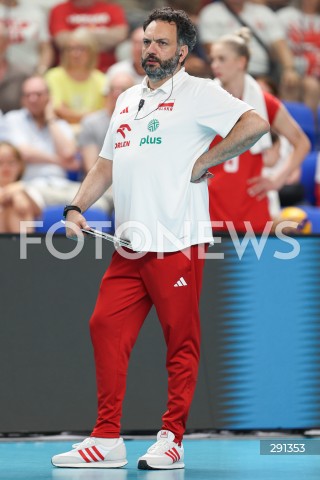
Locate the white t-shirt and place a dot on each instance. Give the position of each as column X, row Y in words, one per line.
column 23, row 130
column 303, row 37
column 45, row 5
column 153, row 153
column 27, row 25
column 215, row 20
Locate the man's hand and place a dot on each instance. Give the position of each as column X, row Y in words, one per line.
column 7, row 192
column 74, row 223
column 205, row 176
column 72, row 164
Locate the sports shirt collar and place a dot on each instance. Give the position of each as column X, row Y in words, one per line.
column 166, row 86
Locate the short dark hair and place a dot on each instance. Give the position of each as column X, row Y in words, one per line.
column 186, row 31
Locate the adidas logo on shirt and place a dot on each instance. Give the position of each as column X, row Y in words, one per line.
column 181, row 283
column 125, row 110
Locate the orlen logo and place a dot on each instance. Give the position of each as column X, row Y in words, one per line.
column 152, row 126
column 122, row 129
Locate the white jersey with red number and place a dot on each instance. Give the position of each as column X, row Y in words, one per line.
column 153, row 152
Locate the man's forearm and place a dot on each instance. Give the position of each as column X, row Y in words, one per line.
column 246, row 132
column 64, row 146
column 110, row 37
column 34, row 155
column 98, row 180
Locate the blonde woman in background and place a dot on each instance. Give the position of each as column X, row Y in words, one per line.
column 238, row 191
column 76, row 86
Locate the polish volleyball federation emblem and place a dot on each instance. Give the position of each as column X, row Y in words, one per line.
column 153, row 125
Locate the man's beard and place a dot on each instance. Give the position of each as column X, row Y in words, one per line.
column 164, row 70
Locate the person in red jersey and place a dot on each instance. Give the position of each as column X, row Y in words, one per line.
column 106, row 21
column 238, row 191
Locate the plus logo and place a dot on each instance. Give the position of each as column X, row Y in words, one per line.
column 153, row 125
column 123, row 127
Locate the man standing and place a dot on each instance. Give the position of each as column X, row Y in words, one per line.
column 156, row 153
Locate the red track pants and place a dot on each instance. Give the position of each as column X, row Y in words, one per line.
column 128, row 290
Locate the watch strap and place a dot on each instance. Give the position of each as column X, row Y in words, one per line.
column 67, row 209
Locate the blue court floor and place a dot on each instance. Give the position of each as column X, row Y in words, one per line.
column 206, row 459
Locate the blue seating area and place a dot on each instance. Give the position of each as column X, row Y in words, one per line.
column 314, row 217
column 305, row 117
column 52, row 215
column 308, row 173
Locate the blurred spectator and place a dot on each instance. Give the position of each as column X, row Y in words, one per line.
column 220, row 18
column 301, row 21
column 4, row 135
column 76, row 86
column 106, row 22
column 132, row 65
column 45, row 142
column 136, row 10
column 191, row 7
column 274, row 4
column 15, row 205
column 94, row 127
column 45, row 5
column 47, row 145
column 30, row 45
column 197, row 67
column 238, row 191
column 269, row 85
column 11, row 76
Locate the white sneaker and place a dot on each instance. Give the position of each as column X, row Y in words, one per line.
column 165, row 454
column 91, row 454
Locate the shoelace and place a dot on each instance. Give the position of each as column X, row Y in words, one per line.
column 160, row 446
column 87, row 442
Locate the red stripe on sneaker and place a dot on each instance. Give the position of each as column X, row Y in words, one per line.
column 175, row 456
column 95, row 459
column 176, row 452
column 98, row 453
column 171, row 455
column 83, row 455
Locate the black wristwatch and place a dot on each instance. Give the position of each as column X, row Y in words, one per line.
column 67, row 208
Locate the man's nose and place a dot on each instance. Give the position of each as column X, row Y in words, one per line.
column 152, row 49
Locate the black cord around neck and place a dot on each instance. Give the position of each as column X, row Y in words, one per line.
column 159, row 105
